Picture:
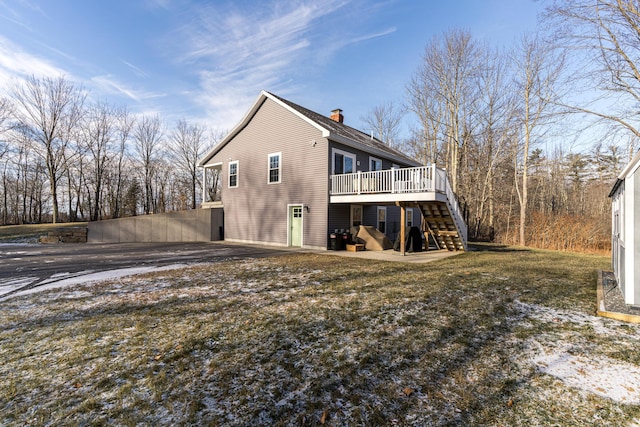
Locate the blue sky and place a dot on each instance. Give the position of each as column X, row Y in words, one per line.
column 207, row 61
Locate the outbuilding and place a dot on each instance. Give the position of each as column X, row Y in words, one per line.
column 625, row 221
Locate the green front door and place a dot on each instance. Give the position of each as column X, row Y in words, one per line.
column 295, row 226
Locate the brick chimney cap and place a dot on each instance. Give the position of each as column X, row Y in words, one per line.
column 336, row 115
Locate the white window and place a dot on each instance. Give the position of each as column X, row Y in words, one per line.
column 274, row 166
column 233, row 173
column 343, row 162
column 375, row 164
column 409, row 216
column 382, row 219
column 356, row 215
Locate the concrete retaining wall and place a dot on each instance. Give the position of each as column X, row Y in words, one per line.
column 198, row 225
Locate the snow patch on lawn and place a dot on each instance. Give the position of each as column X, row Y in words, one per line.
column 599, row 375
column 570, row 357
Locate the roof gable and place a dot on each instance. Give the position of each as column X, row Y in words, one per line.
column 335, row 131
column 628, row 170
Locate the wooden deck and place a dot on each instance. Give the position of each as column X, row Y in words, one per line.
column 424, row 187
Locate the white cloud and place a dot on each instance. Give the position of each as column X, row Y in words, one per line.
column 107, row 84
column 140, row 72
column 15, row 61
column 372, row 36
column 236, row 53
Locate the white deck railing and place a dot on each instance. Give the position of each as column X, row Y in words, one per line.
column 420, row 179
column 407, row 180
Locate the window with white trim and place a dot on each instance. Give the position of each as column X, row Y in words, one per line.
column 409, row 216
column 274, row 166
column 375, row 164
column 233, row 173
column 343, row 162
column 356, row 215
column 382, row 219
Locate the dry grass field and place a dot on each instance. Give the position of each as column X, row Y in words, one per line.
column 498, row 336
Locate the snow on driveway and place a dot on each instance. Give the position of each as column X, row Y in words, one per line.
column 62, row 280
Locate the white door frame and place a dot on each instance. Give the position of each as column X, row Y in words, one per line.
column 289, row 206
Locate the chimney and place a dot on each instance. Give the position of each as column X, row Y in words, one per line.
column 336, row 115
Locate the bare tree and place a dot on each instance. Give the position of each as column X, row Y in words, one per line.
column 424, row 143
column 147, row 134
column 441, row 93
column 5, row 124
column 48, row 110
column 605, row 34
column 384, row 121
column 187, row 143
column 124, row 127
column 538, row 71
column 99, row 133
column 494, row 112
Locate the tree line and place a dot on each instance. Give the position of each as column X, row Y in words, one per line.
column 65, row 158
column 502, row 122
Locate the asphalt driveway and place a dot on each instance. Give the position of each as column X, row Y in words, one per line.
column 25, row 267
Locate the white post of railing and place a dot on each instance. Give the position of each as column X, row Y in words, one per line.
column 359, row 188
column 434, row 182
column 393, row 180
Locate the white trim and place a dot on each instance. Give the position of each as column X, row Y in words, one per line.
column 371, row 158
column 351, row 214
column 408, row 215
column 237, row 163
column 335, row 151
column 388, row 198
column 629, row 229
column 631, row 167
column 279, row 154
column 289, row 206
column 204, row 181
column 247, row 118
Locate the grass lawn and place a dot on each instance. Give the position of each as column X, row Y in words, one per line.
column 498, row 336
column 31, row 232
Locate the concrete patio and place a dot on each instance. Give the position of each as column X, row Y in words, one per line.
column 393, row 256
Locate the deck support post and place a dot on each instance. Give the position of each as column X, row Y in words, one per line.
column 403, row 224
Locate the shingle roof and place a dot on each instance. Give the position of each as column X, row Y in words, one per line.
column 345, row 131
column 338, row 131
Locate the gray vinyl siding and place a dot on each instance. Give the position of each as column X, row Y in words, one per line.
column 257, row 211
column 338, row 217
column 362, row 158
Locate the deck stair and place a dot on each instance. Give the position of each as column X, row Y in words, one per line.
column 442, row 225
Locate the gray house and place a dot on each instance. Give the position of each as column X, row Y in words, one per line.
column 625, row 222
column 288, row 176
